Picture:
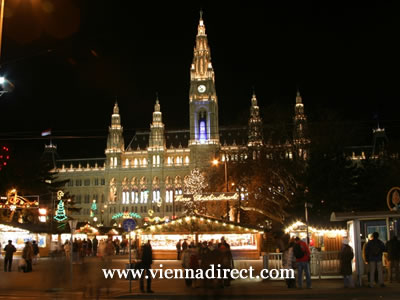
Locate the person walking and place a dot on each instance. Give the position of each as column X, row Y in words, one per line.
column 36, row 254
column 178, row 250
column 27, row 254
column 146, row 262
column 95, row 244
column 226, row 259
column 302, row 254
column 8, row 258
column 346, row 256
column 67, row 250
column 373, row 254
column 89, row 247
column 289, row 263
column 393, row 250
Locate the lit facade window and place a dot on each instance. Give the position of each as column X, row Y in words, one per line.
column 186, row 160
column 144, row 196
column 134, row 196
column 135, row 163
column 126, row 162
column 169, row 196
column 156, row 196
column 125, row 197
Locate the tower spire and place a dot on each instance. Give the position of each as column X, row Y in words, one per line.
column 255, row 133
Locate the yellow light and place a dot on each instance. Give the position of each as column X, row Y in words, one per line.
column 152, row 227
column 208, row 221
column 180, row 221
column 42, row 211
column 194, row 218
column 201, row 219
column 187, row 219
column 224, row 224
column 215, row 162
column 232, row 226
column 42, row 219
column 216, row 222
column 173, row 222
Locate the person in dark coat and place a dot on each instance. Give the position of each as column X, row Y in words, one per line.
column 146, row 262
column 373, row 255
column 95, row 243
column 346, row 256
column 178, row 250
column 393, row 250
column 10, row 250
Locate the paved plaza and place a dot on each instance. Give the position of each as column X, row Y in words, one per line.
column 50, row 279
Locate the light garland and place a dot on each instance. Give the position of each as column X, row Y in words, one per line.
column 320, row 232
column 126, row 215
column 202, row 221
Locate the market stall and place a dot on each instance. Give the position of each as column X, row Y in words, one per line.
column 19, row 236
column 243, row 240
column 322, row 238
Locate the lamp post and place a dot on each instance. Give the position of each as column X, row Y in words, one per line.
column 215, row 163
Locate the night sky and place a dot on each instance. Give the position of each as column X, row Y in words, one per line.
column 69, row 61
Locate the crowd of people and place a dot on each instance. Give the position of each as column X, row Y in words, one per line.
column 296, row 256
column 202, row 255
column 94, row 247
column 30, row 254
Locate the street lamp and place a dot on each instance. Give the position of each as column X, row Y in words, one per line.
column 215, row 163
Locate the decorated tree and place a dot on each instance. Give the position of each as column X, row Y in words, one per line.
column 60, row 213
column 194, row 184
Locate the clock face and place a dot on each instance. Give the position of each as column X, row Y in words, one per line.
column 201, row 88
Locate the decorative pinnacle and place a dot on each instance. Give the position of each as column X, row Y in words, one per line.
column 116, row 108
column 298, row 97
column 201, row 14
column 157, row 105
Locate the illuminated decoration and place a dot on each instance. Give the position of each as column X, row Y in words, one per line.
column 299, row 226
column 93, row 208
column 126, row 215
column 150, row 212
column 393, row 199
column 13, row 201
column 4, row 156
column 60, row 215
column 156, row 219
column 208, row 197
column 195, row 183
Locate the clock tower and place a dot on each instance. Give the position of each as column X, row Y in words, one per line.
column 204, row 133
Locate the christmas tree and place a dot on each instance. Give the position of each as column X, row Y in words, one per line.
column 60, row 213
column 194, row 184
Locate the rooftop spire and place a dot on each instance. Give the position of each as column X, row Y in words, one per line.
column 157, row 105
column 254, row 98
column 116, row 108
column 201, row 29
column 298, row 97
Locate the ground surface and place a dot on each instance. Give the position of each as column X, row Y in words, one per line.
column 50, row 279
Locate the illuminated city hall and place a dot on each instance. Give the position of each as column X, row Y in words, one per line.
column 145, row 176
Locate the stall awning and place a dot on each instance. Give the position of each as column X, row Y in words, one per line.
column 199, row 224
column 363, row 215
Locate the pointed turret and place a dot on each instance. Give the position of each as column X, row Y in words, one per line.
column 157, row 140
column 300, row 132
column 115, row 140
column 255, row 133
column 203, row 103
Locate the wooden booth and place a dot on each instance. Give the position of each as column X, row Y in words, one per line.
column 322, row 238
column 244, row 240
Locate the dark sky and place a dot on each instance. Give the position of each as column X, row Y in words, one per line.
column 69, row 60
